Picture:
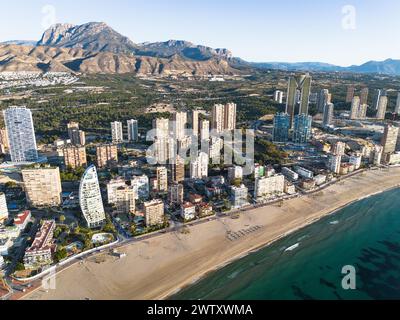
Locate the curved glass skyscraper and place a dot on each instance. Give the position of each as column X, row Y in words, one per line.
column 90, row 199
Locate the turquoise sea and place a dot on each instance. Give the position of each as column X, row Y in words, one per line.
column 365, row 234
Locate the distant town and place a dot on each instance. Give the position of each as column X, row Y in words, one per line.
column 75, row 197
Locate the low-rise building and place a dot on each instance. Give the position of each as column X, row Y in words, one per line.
column 22, row 220
column 188, row 211
column 112, row 188
column 42, row 249
column 394, row 158
column 239, row 196
column 289, row 188
column 205, row 210
column 308, row 184
column 234, row 173
column 320, row 179
column 290, row 174
column 303, row 172
column 356, row 160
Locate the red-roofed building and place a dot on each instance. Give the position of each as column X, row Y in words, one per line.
column 22, row 219
column 42, row 249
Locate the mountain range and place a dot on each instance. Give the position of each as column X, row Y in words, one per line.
column 97, row 48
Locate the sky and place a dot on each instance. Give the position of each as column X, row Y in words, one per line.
column 341, row 32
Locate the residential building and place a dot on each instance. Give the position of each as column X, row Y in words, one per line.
column 74, row 156
column 364, row 96
column 376, row 155
column 304, row 173
column 117, row 132
column 334, row 163
column 90, row 199
column 21, row 134
column 4, row 146
column 106, row 155
column 397, row 109
column 175, row 194
column 281, row 127
column 40, row 253
column 179, row 125
column 218, row 117
column 278, row 96
column 289, row 188
column 324, row 98
column 195, row 121
column 178, row 170
column 22, row 219
column 204, row 130
column 142, row 185
column 358, row 110
column 290, row 174
column 234, row 173
column 339, row 148
column 382, row 107
column 268, row 186
column 302, row 128
column 43, row 186
column 112, row 188
column 230, row 116
column 215, row 149
column 154, row 213
column 356, row 160
column 389, row 140
column 320, row 179
column 379, row 94
column 239, row 196
column 161, row 126
column 188, row 211
column 205, row 210
column 133, row 130
column 125, row 200
column 199, row 167
column 3, row 208
column 77, row 137
column 350, row 94
column 298, row 84
column 162, row 179
column 328, row 114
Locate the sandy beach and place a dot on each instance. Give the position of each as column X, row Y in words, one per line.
column 157, row 268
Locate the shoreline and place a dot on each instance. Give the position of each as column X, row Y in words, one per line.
column 162, row 267
column 266, row 245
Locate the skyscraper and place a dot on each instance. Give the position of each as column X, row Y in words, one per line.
column 281, row 127
column 42, row 186
column 218, row 118
column 302, row 128
column 199, row 167
column 90, row 199
column 364, row 96
column 350, row 94
column 117, row 132
column 195, row 122
column 133, row 130
column 3, row 208
column 4, row 146
column 162, row 179
column 324, row 97
column 297, row 84
column 178, row 170
column 175, row 194
column 77, row 137
column 21, row 134
column 379, row 94
column 179, row 125
column 328, row 114
column 389, row 140
column 358, row 110
column 230, row 110
column 204, row 130
column 397, row 109
column 382, row 107
column 278, row 96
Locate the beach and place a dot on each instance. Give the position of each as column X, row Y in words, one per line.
column 159, row 267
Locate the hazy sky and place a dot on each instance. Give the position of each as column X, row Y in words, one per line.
column 255, row 30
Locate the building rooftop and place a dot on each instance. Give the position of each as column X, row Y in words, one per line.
column 44, row 238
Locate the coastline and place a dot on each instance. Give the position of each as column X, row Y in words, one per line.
column 266, row 245
column 161, row 267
